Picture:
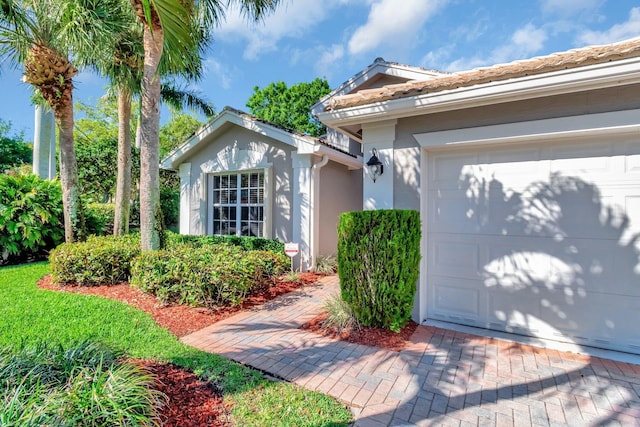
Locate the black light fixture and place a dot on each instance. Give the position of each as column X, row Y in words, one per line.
column 375, row 165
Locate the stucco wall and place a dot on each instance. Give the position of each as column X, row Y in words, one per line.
column 240, row 149
column 340, row 191
column 406, row 189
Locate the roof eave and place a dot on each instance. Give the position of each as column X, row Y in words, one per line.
column 378, row 67
column 597, row 76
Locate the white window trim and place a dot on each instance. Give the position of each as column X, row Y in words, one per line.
column 266, row 200
column 234, row 160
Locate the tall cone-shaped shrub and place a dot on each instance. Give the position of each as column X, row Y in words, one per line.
column 378, row 265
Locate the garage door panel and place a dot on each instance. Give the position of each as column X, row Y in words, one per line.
column 455, row 300
column 454, row 255
column 445, row 170
column 493, row 214
column 632, row 208
column 540, row 239
column 452, row 212
column 632, row 164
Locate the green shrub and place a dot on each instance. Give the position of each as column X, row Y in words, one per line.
column 339, row 314
column 378, row 264
column 326, row 265
column 31, row 220
column 208, row 276
column 245, row 242
column 85, row 384
column 99, row 218
column 170, row 205
column 101, row 260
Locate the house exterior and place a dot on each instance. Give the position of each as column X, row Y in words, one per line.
column 527, row 177
column 242, row 176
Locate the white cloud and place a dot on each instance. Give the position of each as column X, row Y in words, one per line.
column 436, row 59
column 570, row 7
column 293, row 20
column 219, row 72
column 618, row 32
column 524, row 42
column 392, row 22
column 326, row 64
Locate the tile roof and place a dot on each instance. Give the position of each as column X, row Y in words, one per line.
column 543, row 64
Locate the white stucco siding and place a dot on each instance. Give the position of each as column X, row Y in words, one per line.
column 238, row 149
column 340, row 191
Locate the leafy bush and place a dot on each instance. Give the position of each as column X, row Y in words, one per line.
column 378, row 262
column 102, row 260
column 206, row 276
column 14, row 151
column 245, row 242
column 170, row 204
column 31, row 220
column 85, row 384
column 99, row 218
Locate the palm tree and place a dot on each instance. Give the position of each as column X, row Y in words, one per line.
column 125, row 74
column 49, row 38
column 176, row 24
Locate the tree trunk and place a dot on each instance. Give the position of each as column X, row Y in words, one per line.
column 68, row 169
column 123, row 185
column 149, row 145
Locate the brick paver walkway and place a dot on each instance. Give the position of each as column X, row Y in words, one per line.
column 443, row 378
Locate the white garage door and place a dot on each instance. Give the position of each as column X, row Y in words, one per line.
column 537, row 239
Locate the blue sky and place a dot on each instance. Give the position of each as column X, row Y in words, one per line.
column 335, row 39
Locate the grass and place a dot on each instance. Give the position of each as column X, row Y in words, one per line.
column 32, row 315
column 87, row 384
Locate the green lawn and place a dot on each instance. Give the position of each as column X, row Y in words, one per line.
column 29, row 314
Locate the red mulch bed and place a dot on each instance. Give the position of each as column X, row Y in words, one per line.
column 375, row 337
column 191, row 401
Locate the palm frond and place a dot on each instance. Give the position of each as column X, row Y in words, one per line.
column 179, row 97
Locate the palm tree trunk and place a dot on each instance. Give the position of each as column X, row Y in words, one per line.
column 123, row 185
column 149, row 146
column 68, row 169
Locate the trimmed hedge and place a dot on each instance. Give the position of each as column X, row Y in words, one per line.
column 206, row 276
column 378, row 265
column 103, row 260
column 245, row 242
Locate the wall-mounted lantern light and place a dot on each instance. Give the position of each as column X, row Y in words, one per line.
column 375, row 165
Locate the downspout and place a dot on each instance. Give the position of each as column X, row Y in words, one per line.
column 315, row 214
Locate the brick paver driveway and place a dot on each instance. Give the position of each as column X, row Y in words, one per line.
column 442, row 378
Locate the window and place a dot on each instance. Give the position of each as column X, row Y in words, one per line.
column 238, row 204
